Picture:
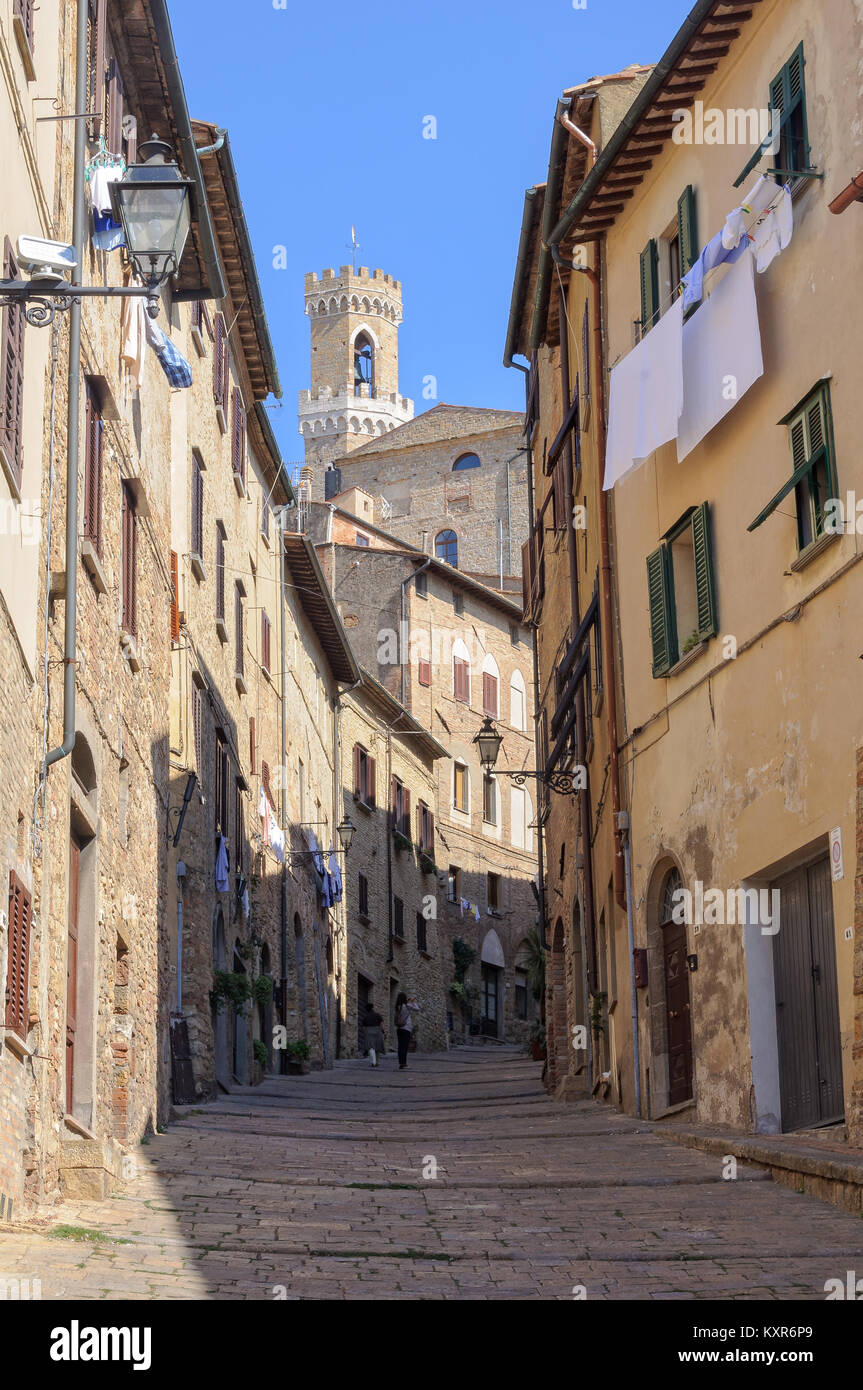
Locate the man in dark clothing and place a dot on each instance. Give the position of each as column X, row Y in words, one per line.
column 374, row 1033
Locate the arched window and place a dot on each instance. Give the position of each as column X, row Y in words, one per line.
column 446, row 547
column 517, row 702
column 467, row 461
column 364, row 366
column 672, row 885
column 521, row 812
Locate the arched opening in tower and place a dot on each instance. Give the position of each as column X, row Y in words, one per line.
column 364, row 367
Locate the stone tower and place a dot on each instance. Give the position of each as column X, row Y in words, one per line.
column 354, row 396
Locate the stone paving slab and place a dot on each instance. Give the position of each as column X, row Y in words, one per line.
column 317, row 1187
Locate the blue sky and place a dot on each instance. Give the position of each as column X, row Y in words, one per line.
column 325, row 106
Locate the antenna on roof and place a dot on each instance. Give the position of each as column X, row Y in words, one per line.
column 354, row 246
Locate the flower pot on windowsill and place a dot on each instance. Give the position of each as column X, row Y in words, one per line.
column 401, row 841
column 427, row 864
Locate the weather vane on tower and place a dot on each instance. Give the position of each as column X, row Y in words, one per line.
column 354, row 247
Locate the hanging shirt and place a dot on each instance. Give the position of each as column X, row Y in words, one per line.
column 223, row 881
column 171, row 360
column 721, row 355
column 107, row 231
column 336, row 876
column 645, row 397
column 715, row 253
column 773, row 232
column 133, row 339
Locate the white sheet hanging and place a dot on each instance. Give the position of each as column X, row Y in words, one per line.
column 721, row 354
column 645, row 397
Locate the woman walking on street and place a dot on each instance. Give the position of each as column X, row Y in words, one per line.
column 374, row 1033
column 404, row 1026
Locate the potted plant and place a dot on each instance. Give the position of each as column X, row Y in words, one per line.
column 262, row 1058
column 427, row 864
column 298, row 1053
column 538, row 1044
column 401, row 840
column 230, row 987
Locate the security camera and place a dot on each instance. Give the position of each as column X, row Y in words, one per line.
column 46, row 260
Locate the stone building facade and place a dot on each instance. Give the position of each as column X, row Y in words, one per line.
column 485, row 849
column 393, row 939
column 737, row 697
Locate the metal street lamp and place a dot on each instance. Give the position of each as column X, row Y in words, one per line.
column 152, row 203
column 489, row 742
column 346, row 832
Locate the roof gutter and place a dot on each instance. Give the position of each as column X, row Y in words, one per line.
column 852, row 194
column 557, row 153
column 189, row 154
column 642, row 104
column 256, row 298
column 519, row 284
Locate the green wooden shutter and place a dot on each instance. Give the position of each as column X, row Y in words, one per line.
column 687, row 229
column 649, row 286
column 705, row 590
column 659, row 595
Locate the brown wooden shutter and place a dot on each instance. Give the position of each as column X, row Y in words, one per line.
column 239, row 441
column 219, row 362
column 430, row 840
column 419, row 824
column 197, row 509
column 425, row 673
column 406, row 812
column 558, row 483
column 462, row 680
column 114, row 133
column 252, row 749
column 358, row 788
column 24, row 10
column 372, row 766
column 265, row 642
column 238, row 628
column 394, row 801
column 93, row 473
column 12, row 368
column 18, row 968
column 97, row 26
column 220, row 573
column 489, row 693
column 129, row 565
column 175, row 604
column 527, row 581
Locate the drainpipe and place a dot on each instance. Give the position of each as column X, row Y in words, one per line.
column 79, row 214
column 403, row 620
column 594, row 275
column 283, row 1004
column 213, row 149
column 623, row 823
column 540, row 836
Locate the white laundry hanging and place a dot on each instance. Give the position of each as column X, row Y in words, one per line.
column 645, row 397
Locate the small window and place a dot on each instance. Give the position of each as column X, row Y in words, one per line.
column 681, row 590
column 493, row 892
column 788, row 97
column 221, row 788
column 446, row 547
column 12, row 379
column 363, row 896
column 461, row 793
column 362, row 540
column 514, row 634
column 813, row 469
column 424, row 672
column 454, row 884
column 489, row 799
column 425, row 828
column 422, row 585
column 466, row 461
column 518, row 702
column 422, row 934
column 458, row 604
column 400, row 807
column 520, row 994
column 238, row 447
column 398, row 919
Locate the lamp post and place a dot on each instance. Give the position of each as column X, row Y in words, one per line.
column 489, row 741
column 346, row 831
column 153, row 205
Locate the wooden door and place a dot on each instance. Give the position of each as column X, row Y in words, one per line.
column 489, row 1000
column 678, row 1013
column 72, row 968
column 807, row 1003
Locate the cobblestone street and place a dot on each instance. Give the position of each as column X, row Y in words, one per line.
column 313, row 1187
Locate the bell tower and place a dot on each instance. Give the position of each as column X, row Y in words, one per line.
column 354, row 394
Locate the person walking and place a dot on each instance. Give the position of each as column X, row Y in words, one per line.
column 404, row 1026
column 374, row 1033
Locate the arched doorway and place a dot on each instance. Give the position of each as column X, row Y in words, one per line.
column 492, row 966
column 670, row 1007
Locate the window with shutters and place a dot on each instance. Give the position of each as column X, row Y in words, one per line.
column 239, row 827
column 238, row 447
column 460, row 788
column 93, row 435
column 787, row 97
column 666, row 259
column 197, row 529
column 489, row 799
column 422, row 586
column 398, row 919
column 266, row 631
column 364, row 776
column 22, row 12
column 239, row 632
column 221, row 791
column 12, row 380
column 490, row 694
column 454, row 883
column 175, row 596
column 253, row 747
column 201, row 326
column 18, row 963
column 520, row 993
column 400, row 807
column 425, row 829
column 461, row 674
column 681, row 590
column 493, row 897
column 266, row 513
column 813, row 471
column 220, row 574
column 458, row 604
column 424, row 672
column 422, row 934
column 267, row 786
column 363, row 897
column 198, row 729
column 221, row 372
column 129, row 562
column 96, row 63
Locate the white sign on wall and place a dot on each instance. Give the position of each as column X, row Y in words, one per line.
column 837, row 862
